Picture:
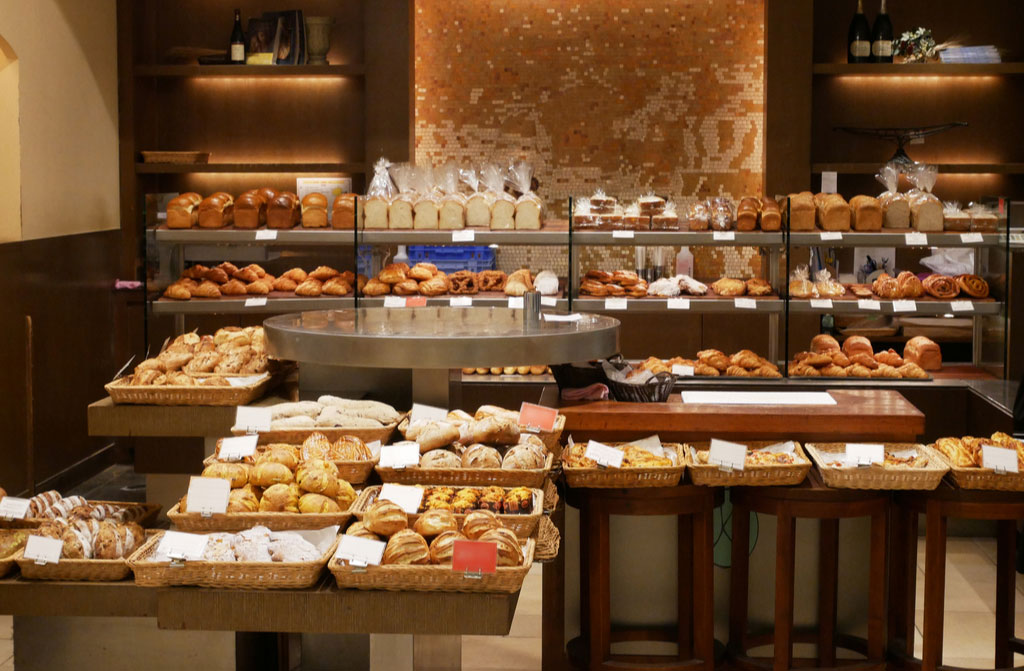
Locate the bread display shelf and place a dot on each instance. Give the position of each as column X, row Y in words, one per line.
column 183, row 168
column 277, row 302
column 244, row 236
column 346, row 70
column 523, row 525
column 709, row 303
column 551, row 439
column 877, row 476
column 196, row 523
column 767, row 475
column 352, row 472
column 431, row 577
column 515, row 378
column 121, row 391
column 227, row 575
column 926, row 305
column 469, row 477
column 629, row 477
column 551, row 233
column 490, row 299
column 297, row 436
column 150, row 512
column 679, row 238
column 74, row 570
column 893, row 239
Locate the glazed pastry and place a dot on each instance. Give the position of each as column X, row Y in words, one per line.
column 178, row 291
column 885, row 370
column 972, row 285
column 375, row 287
column 385, row 518
column 284, row 284
column 803, row 370
column 269, row 473
column 237, row 474
column 491, row 280
column 886, row 286
column 405, row 288
column 941, row 286
column 318, row 503
column 435, row 522
column 478, row 522
column 336, row 286
column 243, row 500
column 422, row 271
column 729, row 287
column 233, row 288
column 463, row 282
column 316, row 446
column 319, row 477
column 832, row 370
column 758, row 287
column 406, row 547
column 840, row 358
column 359, row 529
column 435, row 286
column 510, row 552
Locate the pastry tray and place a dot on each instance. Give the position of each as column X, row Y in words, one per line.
column 630, row 476
column 150, row 512
column 982, row 478
column 877, row 476
column 471, row 477
column 121, row 391
column 78, row 570
column 195, row 522
column 333, row 433
column 751, row 476
column 352, row 472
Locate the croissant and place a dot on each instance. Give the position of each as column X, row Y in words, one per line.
column 909, row 285
column 178, row 291
column 284, row 284
column 375, row 287
column 323, row 273
column 233, row 288
column 311, row 287
column 435, row 286
column 405, row 288
column 518, row 283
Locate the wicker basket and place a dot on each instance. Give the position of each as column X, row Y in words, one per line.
column 523, row 525
column 297, row 436
column 550, row 494
column 469, row 477
column 352, row 472
column 74, row 570
column 226, row 575
column 877, row 476
column 151, row 510
column 655, row 390
column 982, row 478
column 6, row 565
column 628, row 477
column 123, row 392
column 548, row 540
column 551, row 439
column 195, row 522
column 710, row 475
column 432, row 578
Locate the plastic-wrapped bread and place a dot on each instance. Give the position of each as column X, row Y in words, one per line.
column 378, row 197
column 867, row 213
column 802, row 211
column 954, row 218
column 283, row 210
column 650, row 204
column 895, row 206
column 503, row 205
column 478, row 205
column 747, row 213
column 983, row 218
column 722, row 216
column 528, row 204
column 343, row 213
column 216, row 211
column 427, row 207
column 634, row 220
column 833, row 212
column 452, row 213
column 582, row 217
column 400, row 207
column 771, row 216
column 667, row 219
column 611, row 221
column 314, row 211
column 699, row 216
column 925, row 208
column 182, row 212
column 250, row 210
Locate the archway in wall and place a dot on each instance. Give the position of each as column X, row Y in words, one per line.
column 10, row 146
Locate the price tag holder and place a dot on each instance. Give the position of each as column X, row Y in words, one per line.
column 574, row 317
column 865, row 454
column 678, row 304
column 407, row 498
column 252, row 420
column 474, row 558
column 829, row 236
column 971, row 238
column 615, row 303
column 537, row 417
column 237, row 448
column 515, row 302
column 257, row 302
column 604, row 455
column 208, row 496
column 360, row 551
column 400, row 455
column 427, row 413
column 681, row 370
column 961, row 306
column 465, row 235
column 727, row 456
column 821, row 303
column 829, row 181
column 723, row 236
column 394, row 301
column 43, row 550
column 460, row 302
column 267, row 234
column 415, row 301
column 13, row 508
column 999, row 459
column 548, row 301
column 868, row 304
column 182, row 546
column 745, row 303
column 245, row 381
column 623, row 235
column 904, row 306
column 916, row 239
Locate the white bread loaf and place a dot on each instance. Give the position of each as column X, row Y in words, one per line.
column 400, row 212
column 895, row 210
column 452, row 215
column 478, row 210
column 375, row 212
column 925, row 212
column 426, row 216
column 503, row 211
column 527, row 215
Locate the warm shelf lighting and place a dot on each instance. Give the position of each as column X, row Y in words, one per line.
column 219, row 82
column 918, row 80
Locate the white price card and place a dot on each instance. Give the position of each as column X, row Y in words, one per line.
column 179, row 545
column 999, row 459
column 256, row 302
column 726, row 455
column 961, row 306
column 678, row 304
column 971, row 238
column 904, row 306
column 604, row 454
column 515, row 302
column 865, row 454
column 359, row 551
column 681, row 370
column 868, row 304
column 573, row 317
column 465, row 235
column 244, row 381
column 400, row 455
column 916, row 239
column 208, row 496
column 426, row 413
column 745, row 303
column 723, row 236
column 829, row 181
column 266, row 234
column 237, row 448
column 460, row 302
column 623, row 235
column 549, row 301
column 394, row 301
column 13, row 508
column 821, row 303
column 827, row 236
column 408, row 498
column 758, row 397
column 251, row 419
column 44, row 550
column 615, row 303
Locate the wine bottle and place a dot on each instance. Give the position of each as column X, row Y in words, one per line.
column 881, row 38
column 858, row 41
column 237, row 51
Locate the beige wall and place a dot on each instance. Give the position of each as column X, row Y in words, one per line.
column 10, row 146
column 67, row 70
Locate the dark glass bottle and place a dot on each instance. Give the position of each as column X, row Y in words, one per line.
column 236, row 52
column 881, row 38
column 858, row 41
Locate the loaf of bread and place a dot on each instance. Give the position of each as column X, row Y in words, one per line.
column 452, row 215
column 216, row 211
column 250, row 210
column 527, row 215
column 867, row 213
column 857, row 345
column 478, row 210
column 801, row 211
column 925, row 212
column 923, row 352
column 375, row 213
column 343, row 213
column 400, row 212
column 182, row 212
column 503, row 212
column 895, row 210
column 771, row 216
column 833, row 212
column 283, row 210
column 747, row 214
column 426, row 214
column 314, row 211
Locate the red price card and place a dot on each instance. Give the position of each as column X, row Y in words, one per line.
column 537, row 417
column 475, row 556
column 415, row 301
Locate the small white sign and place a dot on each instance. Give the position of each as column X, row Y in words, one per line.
column 604, row 454
column 574, row 317
column 999, row 459
column 13, row 508
column 865, row 454
column 237, row 448
column 961, row 306
column 827, row 236
column 256, row 302
column 208, row 496
column 681, row 370
column 400, row 455
column 971, row 238
column 615, row 303
column 904, row 306
column 729, row 456
column 460, row 302
column 267, row 234
column 549, row 301
column 868, row 304
column 408, row 498
column 916, row 239
column 515, row 302
column 678, row 304
column 723, row 236
column 179, row 545
column 465, row 235
column 821, row 303
column 745, row 303
column 44, row 550
column 427, row 413
column 758, row 397
column 245, row 381
column 359, row 551
column 829, row 181
column 394, row 301
column 251, row 419
column 623, row 235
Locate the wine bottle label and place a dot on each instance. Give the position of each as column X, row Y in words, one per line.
column 860, row 48
column 881, row 48
column 237, row 52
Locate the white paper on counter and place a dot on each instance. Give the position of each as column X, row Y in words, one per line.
column 623, row 235
column 464, row 235
column 549, row 302
column 758, row 397
column 179, row 545
column 548, row 317
column 831, row 235
column 678, row 304
column 374, row 447
column 237, row 448
column 13, row 508
column 394, row 301
column 267, row 234
column 515, row 302
column 460, row 302
column 252, row 419
column 257, row 302
column 207, row 496
column 427, row 413
column 821, row 303
column 961, row 306
column 245, row 380
column 681, row 370
column 864, row 454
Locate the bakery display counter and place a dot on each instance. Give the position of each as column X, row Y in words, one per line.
column 275, row 302
column 680, row 238
column 925, row 305
column 895, row 239
column 711, row 303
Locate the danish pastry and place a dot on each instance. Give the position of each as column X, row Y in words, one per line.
column 463, row 282
column 491, row 280
column 972, row 285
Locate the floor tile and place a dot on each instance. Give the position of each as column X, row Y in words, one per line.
column 493, row 652
column 969, row 662
column 6, row 650
column 965, row 634
column 6, row 627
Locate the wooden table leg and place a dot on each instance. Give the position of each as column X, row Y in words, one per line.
column 785, row 551
column 913, row 523
column 828, row 587
column 704, row 587
column 934, row 586
column 739, row 574
column 584, row 567
column 686, row 544
column 876, row 590
column 553, row 604
column 897, row 583
column 600, row 582
column 1006, row 591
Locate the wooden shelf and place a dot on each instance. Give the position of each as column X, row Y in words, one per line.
column 947, row 168
column 918, row 69
column 355, row 70
column 183, row 168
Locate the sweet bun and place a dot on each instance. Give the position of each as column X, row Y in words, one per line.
column 238, row 474
column 440, row 458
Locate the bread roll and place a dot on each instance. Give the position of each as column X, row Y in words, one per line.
column 510, row 552
column 375, row 213
column 478, row 522
column 319, row 477
column 359, row 529
column 243, row 500
column 442, row 547
column 833, row 212
column 867, row 213
column 435, row 522
column 385, row 518
column 495, row 430
column 924, row 352
column 280, row 498
column 317, row 503
column 857, row 345
column 481, row 456
column 343, row 213
column 440, row 459
column 283, row 211
column 522, row 457
column 238, row 474
column 314, row 211
column 268, row 473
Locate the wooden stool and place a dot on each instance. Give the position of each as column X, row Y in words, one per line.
column 694, row 632
column 937, row 506
column 809, row 500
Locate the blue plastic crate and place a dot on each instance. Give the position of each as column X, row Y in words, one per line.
column 451, row 259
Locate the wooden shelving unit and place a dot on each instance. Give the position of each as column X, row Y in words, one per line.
column 944, row 168
column 198, row 168
column 918, row 69
column 356, row 70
